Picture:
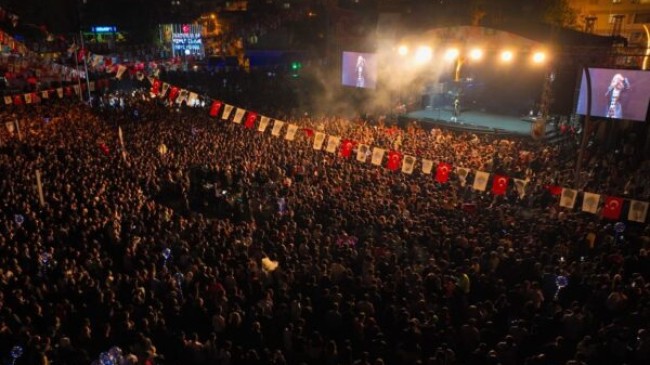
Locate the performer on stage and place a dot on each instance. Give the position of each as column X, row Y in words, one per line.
column 618, row 85
column 360, row 68
column 456, row 114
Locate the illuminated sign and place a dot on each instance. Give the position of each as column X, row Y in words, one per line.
column 104, row 29
column 183, row 39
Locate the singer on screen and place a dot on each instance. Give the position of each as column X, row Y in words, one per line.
column 614, row 92
column 361, row 66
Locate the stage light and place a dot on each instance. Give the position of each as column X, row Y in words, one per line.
column 423, row 54
column 476, row 54
column 451, row 54
column 539, row 57
column 402, row 50
column 507, row 56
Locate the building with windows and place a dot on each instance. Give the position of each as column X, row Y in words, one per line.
column 625, row 18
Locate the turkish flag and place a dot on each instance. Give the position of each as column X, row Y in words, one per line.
column 18, row 100
column 68, row 91
column 442, row 172
column 613, row 207
column 309, row 132
column 554, row 189
column 214, row 108
column 394, row 160
column 499, row 184
column 104, row 148
column 173, row 94
column 250, row 120
column 81, row 54
column 346, row 148
column 155, row 87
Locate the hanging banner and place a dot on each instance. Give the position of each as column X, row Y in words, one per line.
column 427, row 166
column 264, row 123
column 291, row 132
column 480, row 180
column 408, row 164
column 277, row 128
column 227, row 109
column 638, row 211
column 362, row 152
column 568, row 198
column 377, row 156
column 332, row 144
column 319, row 139
column 239, row 115
column 590, row 202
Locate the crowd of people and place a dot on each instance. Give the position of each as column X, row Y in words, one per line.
column 320, row 260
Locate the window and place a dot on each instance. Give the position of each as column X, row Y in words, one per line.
column 641, row 18
column 616, row 1
column 616, row 18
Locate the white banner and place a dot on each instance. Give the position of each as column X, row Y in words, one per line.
column 45, row 94
column 319, row 139
column 239, row 115
column 408, row 164
column 8, row 100
column 590, row 203
column 165, row 87
column 427, row 166
column 332, row 144
column 638, row 211
column 568, row 198
column 59, row 92
column 277, row 128
column 227, row 109
column 264, row 123
column 462, row 173
column 192, row 99
column 28, row 98
column 362, row 152
column 91, row 85
column 291, row 132
column 520, row 185
column 121, row 69
column 377, row 156
column 480, row 180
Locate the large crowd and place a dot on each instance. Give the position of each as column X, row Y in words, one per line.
column 320, row 260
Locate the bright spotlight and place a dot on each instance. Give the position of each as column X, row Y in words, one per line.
column 423, row 54
column 507, row 56
column 451, row 54
column 539, row 57
column 402, row 50
column 476, row 54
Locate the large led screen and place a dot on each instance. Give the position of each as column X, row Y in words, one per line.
column 616, row 94
column 359, row 70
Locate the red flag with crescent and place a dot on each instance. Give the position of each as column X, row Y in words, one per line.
column 394, row 160
column 155, row 87
column 499, row 184
column 613, row 207
column 173, row 94
column 442, row 172
column 214, row 108
column 250, row 120
column 18, row 100
column 346, row 148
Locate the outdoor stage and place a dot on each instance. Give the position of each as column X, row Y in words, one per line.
column 476, row 121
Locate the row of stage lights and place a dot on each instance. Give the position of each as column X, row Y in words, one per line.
column 424, row 54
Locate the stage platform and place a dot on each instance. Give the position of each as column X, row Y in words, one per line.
column 476, row 121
